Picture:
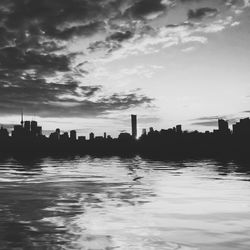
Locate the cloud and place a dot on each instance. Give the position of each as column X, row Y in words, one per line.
column 147, row 9
column 13, row 58
column 47, row 47
column 236, row 23
column 202, row 13
column 63, row 100
column 120, row 36
column 206, row 123
column 188, row 49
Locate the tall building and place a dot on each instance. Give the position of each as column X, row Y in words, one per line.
column 242, row 127
column 73, row 135
column 33, row 126
column 178, row 129
column 58, row 133
column 91, row 136
column 22, row 118
column 223, row 127
column 134, row 126
column 27, row 126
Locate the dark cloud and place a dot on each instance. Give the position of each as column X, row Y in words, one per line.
column 202, row 12
column 13, row 58
column 50, row 14
column 120, row 36
column 82, row 30
column 143, row 8
column 111, row 43
column 34, row 48
column 206, row 123
column 61, row 100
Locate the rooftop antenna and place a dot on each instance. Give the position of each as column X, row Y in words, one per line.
column 22, row 117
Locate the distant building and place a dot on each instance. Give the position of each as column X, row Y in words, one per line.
column 174, row 130
column 178, row 129
column 18, row 131
column 91, row 136
column 125, row 137
column 144, row 131
column 3, row 133
column 242, row 127
column 64, row 136
column 22, row 118
column 134, row 126
column 223, row 127
column 55, row 136
column 73, row 135
column 81, row 138
column 33, row 126
column 99, row 138
column 27, row 126
column 105, row 135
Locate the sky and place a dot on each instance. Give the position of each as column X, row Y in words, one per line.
column 89, row 64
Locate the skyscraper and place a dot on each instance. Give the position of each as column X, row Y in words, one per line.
column 223, row 127
column 22, row 118
column 73, row 135
column 27, row 126
column 178, row 129
column 91, row 136
column 134, row 126
column 33, row 126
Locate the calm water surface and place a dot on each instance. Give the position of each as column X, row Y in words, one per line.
column 120, row 203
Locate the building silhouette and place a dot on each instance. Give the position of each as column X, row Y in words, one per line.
column 178, row 129
column 27, row 138
column 134, row 126
column 73, row 135
column 223, row 128
column 242, row 128
column 27, row 126
column 91, row 136
column 3, row 133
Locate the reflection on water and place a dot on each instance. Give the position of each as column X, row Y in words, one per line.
column 119, row 203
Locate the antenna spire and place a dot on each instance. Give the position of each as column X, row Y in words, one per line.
column 22, row 118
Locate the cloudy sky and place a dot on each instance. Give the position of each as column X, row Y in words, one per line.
column 89, row 64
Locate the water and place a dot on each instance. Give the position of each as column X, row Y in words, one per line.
column 119, row 203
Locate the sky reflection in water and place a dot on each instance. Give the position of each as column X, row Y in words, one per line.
column 124, row 203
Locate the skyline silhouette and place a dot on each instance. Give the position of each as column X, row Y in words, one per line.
column 96, row 62
column 124, row 124
column 27, row 137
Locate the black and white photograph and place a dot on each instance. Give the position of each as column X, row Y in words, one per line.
column 124, row 124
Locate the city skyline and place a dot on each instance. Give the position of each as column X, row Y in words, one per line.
column 31, row 126
column 124, row 124
column 27, row 138
column 93, row 63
